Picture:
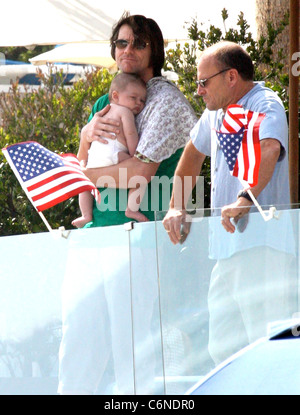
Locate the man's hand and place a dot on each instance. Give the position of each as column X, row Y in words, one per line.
column 100, row 127
column 236, row 211
column 176, row 225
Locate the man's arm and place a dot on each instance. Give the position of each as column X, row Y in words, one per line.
column 98, row 127
column 120, row 174
column 270, row 152
column 189, row 165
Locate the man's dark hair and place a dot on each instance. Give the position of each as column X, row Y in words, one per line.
column 147, row 30
column 232, row 55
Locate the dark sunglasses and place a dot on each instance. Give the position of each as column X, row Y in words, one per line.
column 136, row 44
column 202, row 82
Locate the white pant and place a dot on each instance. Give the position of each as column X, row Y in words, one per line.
column 247, row 291
column 97, row 322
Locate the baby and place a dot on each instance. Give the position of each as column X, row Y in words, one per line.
column 127, row 96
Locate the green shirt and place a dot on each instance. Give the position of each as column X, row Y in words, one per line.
column 163, row 127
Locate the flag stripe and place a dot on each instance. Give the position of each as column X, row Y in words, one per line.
column 59, row 187
column 235, row 170
column 246, row 146
column 256, row 144
column 232, row 125
column 58, row 197
column 250, row 178
column 59, row 182
column 234, row 119
column 59, row 177
column 54, row 201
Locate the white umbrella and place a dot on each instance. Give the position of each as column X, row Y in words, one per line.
column 91, row 53
column 52, row 22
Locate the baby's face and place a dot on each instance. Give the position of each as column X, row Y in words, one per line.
column 133, row 97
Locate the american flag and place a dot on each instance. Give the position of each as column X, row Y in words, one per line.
column 239, row 141
column 46, row 177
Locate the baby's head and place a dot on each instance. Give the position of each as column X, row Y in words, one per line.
column 128, row 90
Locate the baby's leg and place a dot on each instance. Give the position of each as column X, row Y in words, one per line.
column 123, row 156
column 86, row 207
column 132, row 210
column 134, row 202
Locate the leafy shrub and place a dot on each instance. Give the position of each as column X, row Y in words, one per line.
column 52, row 115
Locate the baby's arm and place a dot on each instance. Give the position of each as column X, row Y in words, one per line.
column 83, row 163
column 130, row 132
column 83, row 157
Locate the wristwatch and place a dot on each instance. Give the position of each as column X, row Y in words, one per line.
column 245, row 194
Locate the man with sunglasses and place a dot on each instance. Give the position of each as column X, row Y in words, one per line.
column 163, row 126
column 225, row 77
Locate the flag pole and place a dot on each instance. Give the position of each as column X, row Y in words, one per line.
column 272, row 209
column 60, row 232
column 45, row 222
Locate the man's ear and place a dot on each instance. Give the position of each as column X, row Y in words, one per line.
column 233, row 76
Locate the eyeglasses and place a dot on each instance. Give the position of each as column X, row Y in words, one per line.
column 136, row 44
column 202, row 82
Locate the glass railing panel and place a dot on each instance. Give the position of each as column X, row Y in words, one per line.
column 138, row 310
column 221, row 291
column 184, row 273
column 146, row 312
column 96, row 306
column 31, row 273
column 82, row 281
